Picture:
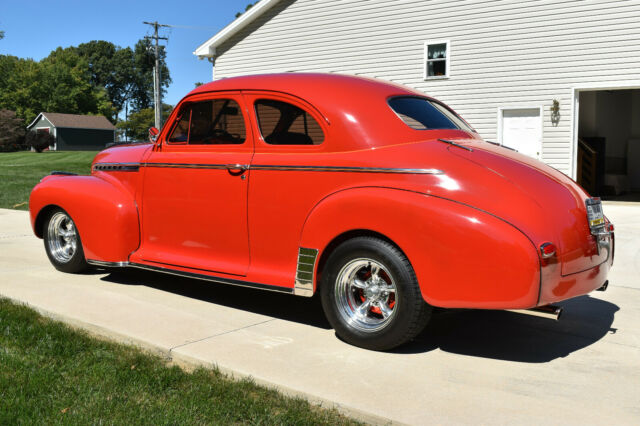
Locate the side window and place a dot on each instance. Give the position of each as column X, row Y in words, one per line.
column 214, row 122
column 284, row 124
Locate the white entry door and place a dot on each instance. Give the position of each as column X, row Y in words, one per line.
column 521, row 129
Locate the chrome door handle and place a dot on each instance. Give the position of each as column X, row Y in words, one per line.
column 237, row 169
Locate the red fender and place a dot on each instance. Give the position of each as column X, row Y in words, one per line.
column 104, row 212
column 462, row 256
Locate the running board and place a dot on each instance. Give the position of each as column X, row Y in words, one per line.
column 228, row 281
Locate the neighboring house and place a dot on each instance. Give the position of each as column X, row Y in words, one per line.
column 534, row 75
column 75, row 132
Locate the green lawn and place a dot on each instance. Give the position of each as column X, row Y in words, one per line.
column 51, row 374
column 21, row 171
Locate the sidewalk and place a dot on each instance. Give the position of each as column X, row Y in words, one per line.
column 467, row 367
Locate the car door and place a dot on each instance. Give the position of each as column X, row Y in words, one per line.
column 194, row 200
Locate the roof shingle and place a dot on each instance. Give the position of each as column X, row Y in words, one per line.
column 79, row 121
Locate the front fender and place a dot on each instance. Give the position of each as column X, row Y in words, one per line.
column 104, row 212
column 463, row 257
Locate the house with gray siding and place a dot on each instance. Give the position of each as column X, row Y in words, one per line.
column 73, row 132
column 557, row 80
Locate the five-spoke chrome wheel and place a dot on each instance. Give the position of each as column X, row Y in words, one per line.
column 62, row 237
column 366, row 294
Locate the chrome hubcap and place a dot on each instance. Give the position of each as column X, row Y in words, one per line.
column 366, row 294
column 62, row 237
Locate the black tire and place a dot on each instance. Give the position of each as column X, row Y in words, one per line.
column 64, row 251
column 406, row 312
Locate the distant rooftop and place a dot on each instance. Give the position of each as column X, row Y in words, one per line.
column 75, row 121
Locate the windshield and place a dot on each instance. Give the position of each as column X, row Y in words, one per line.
column 424, row 114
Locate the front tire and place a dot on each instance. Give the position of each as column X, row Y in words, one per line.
column 371, row 296
column 62, row 243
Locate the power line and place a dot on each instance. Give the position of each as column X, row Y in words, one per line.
column 157, row 89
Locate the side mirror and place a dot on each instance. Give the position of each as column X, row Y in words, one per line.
column 153, row 134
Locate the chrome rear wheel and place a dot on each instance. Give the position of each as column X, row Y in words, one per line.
column 366, row 294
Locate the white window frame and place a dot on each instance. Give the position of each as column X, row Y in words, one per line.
column 447, row 60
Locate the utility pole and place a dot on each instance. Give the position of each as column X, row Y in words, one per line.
column 157, row 88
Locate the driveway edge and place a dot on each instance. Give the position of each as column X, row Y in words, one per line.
column 187, row 363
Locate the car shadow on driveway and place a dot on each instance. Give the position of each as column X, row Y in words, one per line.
column 517, row 337
column 479, row 333
column 278, row 305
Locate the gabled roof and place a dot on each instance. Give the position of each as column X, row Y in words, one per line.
column 75, row 121
column 208, row 48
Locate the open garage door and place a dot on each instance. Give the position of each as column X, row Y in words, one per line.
column 609, row 143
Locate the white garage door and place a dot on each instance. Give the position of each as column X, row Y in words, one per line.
column 522, row 130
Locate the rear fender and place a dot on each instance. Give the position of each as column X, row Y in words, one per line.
column 104, row 212
column 462, row 256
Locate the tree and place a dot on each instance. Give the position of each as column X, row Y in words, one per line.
column 138, row 124
column 11, row 131
column 58, row 83
column 144, row 61
column 249, row 6
column 1, row 35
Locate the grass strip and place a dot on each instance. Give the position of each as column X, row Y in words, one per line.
column 21, row 171
column 50, row 373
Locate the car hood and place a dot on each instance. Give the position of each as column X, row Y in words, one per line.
column 130, row 153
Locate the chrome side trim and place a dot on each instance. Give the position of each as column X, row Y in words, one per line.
column 305, row 272
column 107, row 264
column 196, row 166
column 220, row 280
column 117, row 167
column 347, row 169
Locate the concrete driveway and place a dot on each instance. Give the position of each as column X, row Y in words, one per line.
column 467, row 367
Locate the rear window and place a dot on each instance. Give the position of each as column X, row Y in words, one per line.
column 284, row 124
column 423, row 114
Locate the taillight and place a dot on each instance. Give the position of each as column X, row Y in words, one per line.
column 547, row 250
column 610, row 227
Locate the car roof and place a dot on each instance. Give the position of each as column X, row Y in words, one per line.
column 342, row 99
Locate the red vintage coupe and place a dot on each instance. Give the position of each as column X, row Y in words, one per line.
column 380, row 198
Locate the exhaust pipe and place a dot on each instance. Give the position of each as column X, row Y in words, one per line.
column 547, row 311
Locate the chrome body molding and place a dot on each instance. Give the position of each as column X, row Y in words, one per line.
column 456, row 144
column 283, row 168
column 347, row 169
column 58, row 173
column 105, row 264
column 305, row 272
column 117, row 167
column 220, row 280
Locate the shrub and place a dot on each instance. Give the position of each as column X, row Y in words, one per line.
column 11, row 131
column 39, row 141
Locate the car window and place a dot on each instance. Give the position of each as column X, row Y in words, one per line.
column 423, row 114
column 284, row 124
column 213, row 122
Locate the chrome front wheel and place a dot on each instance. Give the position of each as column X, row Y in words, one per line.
column 62, row 237
column 62, row 242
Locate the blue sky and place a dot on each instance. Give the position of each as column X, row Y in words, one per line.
column 34, row 28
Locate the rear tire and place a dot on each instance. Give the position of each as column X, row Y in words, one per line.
column 371, row 296
column 62, row 243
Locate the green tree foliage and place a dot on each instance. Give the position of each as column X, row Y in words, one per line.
column 137, row 126
column 58, row 83
column 249, row 6
column 97, row 77
column 11, row 131
column 1, row 35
